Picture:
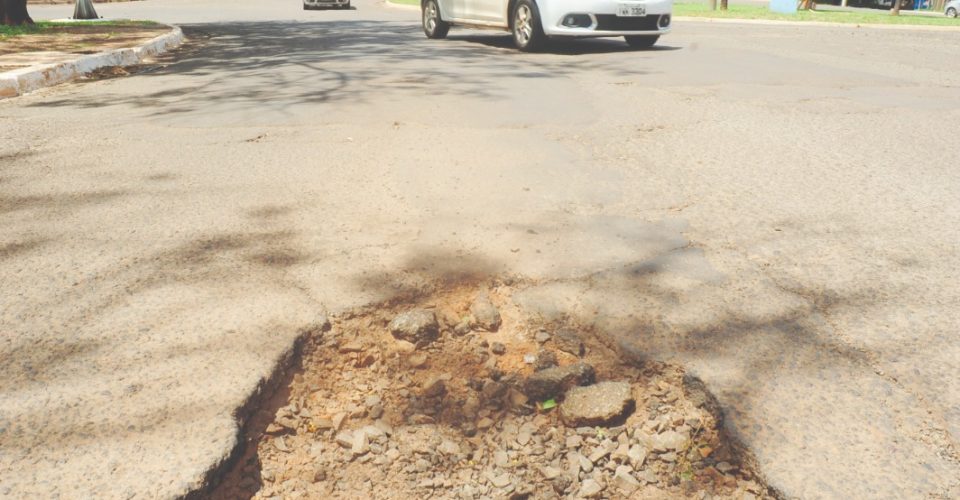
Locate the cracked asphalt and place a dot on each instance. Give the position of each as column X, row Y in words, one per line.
column 778, row 208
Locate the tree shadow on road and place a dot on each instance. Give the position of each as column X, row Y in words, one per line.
column 280, row 66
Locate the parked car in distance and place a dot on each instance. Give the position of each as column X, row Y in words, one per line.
column 532, row 22
column 952, row 8
column 325, row 4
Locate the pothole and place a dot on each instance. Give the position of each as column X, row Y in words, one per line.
column 431, row 398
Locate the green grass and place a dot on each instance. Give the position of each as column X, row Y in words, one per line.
column 41, row 26
column 406, row 2
column 756, row 12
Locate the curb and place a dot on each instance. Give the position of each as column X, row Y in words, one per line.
column 768, row 22
column 402, row 6
column 21, row 81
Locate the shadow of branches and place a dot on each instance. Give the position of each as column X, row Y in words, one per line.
column 279, row 65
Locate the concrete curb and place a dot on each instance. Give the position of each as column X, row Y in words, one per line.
column 768, row 22
column 21, row 81
column 402, row 6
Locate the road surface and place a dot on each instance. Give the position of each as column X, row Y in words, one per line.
column 777, row 208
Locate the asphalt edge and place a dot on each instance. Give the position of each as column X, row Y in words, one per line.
column 21, row 81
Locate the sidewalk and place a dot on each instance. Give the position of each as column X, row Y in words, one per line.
column 25, row 70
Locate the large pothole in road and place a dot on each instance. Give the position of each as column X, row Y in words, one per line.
column 431, row 398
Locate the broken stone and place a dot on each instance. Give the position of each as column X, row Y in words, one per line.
column 352, row 346
column 434, row 387
column 359, row 444
column 462, row 328
column 598, row 404
column 647, row 476
column 418, row 360
column 273, row 428
column 498, row 348
column 448, row 447
column 523, row 437
column 501, row 459
column 554, row 382
column 637, row 455
column 550, row 472
column 418, row 326
column 545, row 359
column 569, row 341
column 623, row 479
column 517, row 398
column 590, row 489
column 345, row 439
column 501, row 481
column 580, row 461
column 541, row 336
column 493, row 391
column 486, row 314
column 724, row 467
column 669, row 440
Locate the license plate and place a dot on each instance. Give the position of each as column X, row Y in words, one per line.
column 631, row 10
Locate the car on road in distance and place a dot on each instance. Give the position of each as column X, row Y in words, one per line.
column 533, row 22
column 325, row 4
column 952, row 9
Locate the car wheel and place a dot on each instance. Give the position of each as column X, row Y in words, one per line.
column 433, row 26
column 641, row 41
column 527, row 31
column 951, row 12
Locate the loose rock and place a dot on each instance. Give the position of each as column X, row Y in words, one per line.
column 418, row 326
column 545, row 359
column 554, row 382
column 669, row 440
column 623, row 479
column 486, row 314
column 590, row 489
column 568, row 340
column 598, row 404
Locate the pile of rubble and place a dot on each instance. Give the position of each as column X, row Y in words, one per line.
column 459, row 398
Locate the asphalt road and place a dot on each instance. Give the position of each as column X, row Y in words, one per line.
column 778, row 208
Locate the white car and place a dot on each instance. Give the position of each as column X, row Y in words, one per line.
column 325, row 4
column 532, row 22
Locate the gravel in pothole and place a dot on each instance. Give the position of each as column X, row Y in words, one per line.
column 425, row 401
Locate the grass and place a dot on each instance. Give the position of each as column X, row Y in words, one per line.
column 757, row 12
column 41, row 26
column 406, row 2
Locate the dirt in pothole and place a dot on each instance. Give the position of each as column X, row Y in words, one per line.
column 471, row 415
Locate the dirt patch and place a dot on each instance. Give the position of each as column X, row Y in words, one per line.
column 458, row 415
column 80, row 38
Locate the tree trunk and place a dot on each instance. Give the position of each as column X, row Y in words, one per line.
column 84, row 10
column 713, row 4
column 14, row 12
column 723, row 4
column 895, row 11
